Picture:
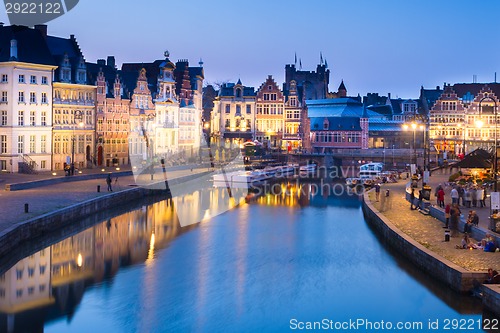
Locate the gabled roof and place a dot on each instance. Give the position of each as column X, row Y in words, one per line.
column 228, row 90
column 31, row 45
column 474, row 88
column 59, row 46
column 110, row 75
column 335, row 124
column 130, row 73
column 430, row 96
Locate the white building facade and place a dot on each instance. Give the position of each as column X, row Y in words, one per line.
column 25, row 116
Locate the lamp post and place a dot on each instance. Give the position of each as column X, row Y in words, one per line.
column 393, row 164
column 78, row 116
column 423, row 129
column 413, row 126
column 464, row 129
column 493, row 205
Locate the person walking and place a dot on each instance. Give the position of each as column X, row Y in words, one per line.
column 440, row 197
column 454, row 217
column 468, row 197
column 483, row 200
column 412, row 199
column 439, row 187
column 479, row 196
column 420, row 199
column 377, row 191
column 454, row 195
column 473, row 192
column 109, row 181
column 388, row 200
column 447, row 210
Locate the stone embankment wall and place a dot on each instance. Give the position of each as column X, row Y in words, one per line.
column 440, row 268
column 436, row 266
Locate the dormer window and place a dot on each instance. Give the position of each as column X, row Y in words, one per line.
column 238, row 92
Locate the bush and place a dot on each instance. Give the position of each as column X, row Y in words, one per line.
column 454, row 177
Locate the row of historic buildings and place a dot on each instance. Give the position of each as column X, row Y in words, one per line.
column 59, row 111
column 303, row 114
column 448, row 121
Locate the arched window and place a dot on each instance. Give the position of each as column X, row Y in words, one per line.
column 238, row 92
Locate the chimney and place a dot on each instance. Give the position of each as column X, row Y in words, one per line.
column 13, row 49
column 101, row 62
column 42, row 28
column 389, row 95
column 1, row 24
column 111, row 61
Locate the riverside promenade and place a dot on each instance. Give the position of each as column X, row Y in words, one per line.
column 56, row 195
column 457, row 267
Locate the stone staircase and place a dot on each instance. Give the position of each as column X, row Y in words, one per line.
column 27, row 165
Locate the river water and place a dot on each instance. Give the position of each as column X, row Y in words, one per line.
column 280, row 262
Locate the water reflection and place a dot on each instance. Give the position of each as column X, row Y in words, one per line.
column 49, row 285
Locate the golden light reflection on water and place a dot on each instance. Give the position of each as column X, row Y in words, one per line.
column 286, row 194
column 97, row 253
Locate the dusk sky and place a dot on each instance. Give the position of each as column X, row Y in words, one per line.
column 375, row 46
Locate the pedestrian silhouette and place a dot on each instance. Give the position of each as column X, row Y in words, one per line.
column 109, row 181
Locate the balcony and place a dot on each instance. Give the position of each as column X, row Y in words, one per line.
column 83, row 102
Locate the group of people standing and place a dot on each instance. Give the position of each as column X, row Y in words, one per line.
column 470, row 196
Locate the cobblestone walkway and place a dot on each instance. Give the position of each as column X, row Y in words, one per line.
column 429, row 231
column 49, row 198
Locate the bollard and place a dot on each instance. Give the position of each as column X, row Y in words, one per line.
column 26, row 208
column 98, row 188
column 447, row 235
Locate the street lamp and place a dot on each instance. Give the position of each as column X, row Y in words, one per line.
column 464, row 132
column 78, row 116
column 495, row 162
column 413, row 127
column 393, row 164
column 423, row 128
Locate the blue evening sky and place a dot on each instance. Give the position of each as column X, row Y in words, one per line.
column 374, row 45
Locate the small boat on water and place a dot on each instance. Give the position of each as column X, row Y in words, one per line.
column 240, row 179
column 353, row 181
column 308, row 169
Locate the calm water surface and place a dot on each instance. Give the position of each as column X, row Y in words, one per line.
column 253, row 268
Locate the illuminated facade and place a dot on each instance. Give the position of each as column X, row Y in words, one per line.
column 270, row 118
column 74, row 125
column 233, row 114
column 292, row 138
column 463, row 118
column 112, row 128
column 25, row 101
column 142, row 116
